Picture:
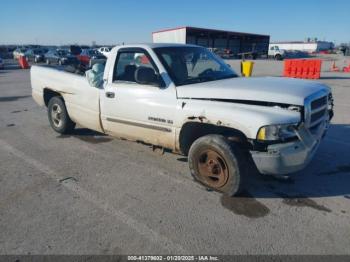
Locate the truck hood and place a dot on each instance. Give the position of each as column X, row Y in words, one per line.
column 262, row 89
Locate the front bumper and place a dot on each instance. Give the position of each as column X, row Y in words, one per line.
column 292, row 156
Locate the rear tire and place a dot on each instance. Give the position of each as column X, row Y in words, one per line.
column 218, row 164
column 58, row 116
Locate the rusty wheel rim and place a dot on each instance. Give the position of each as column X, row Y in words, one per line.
column 212, row 168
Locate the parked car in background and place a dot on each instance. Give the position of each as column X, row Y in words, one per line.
column 89, row 57
column 19, row 52
column 36, row 55
column 1, row 63
column 6, row 52
column 104, row 50
column 75, row 50
column 345, row 50
column 60, row 57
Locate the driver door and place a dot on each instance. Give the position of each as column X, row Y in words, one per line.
column 134, row 110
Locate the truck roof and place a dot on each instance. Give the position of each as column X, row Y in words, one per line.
column 154, row 45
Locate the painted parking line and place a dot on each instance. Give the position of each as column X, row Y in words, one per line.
column 138, row 226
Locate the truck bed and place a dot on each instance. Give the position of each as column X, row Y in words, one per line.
column 81, row 99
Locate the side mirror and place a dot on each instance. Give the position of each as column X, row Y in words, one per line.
column 146, row 76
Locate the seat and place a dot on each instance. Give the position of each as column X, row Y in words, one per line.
column 179, row 69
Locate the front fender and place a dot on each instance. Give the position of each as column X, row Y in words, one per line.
column 248, row 119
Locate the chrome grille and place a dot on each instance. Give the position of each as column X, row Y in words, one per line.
column 316, row 116
column 316, row 109
column 318, row 102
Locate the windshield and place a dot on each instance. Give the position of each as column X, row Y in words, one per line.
column 189, row 65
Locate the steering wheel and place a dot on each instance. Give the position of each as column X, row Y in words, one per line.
column 206, row 73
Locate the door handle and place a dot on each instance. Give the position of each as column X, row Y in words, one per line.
column 110, row 94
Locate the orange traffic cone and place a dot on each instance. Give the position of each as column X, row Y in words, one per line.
column 334, row 68
column 347, row 69
column 23, row 62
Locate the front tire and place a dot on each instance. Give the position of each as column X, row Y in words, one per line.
column 58, row 116
column 218, row 164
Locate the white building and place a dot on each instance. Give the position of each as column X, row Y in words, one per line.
column 309, row 47
column 237, row 42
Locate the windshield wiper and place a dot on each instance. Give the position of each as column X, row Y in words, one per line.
column 191, row 81
column 197, row 80
column 207, row 78
column 226, row 77
column 202, row 79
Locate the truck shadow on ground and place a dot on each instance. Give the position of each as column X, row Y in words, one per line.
column 11, row 98
column 88, row 135
column 328, row 175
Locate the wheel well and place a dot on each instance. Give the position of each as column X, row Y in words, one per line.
column 48, row 94
column 191, row 131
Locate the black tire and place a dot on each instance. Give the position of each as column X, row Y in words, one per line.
column 230, row 162
column 278, row 57
column 58, row 116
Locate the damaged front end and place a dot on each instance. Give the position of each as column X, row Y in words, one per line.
column 289, row 148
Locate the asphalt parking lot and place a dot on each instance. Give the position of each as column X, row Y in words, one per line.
column 92, row 194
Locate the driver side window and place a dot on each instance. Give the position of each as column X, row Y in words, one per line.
column 129, row 63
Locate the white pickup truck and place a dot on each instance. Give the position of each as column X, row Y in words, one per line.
column 184, row 98
column 276, row 53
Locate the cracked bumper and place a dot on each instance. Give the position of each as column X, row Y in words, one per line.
column 289, row 157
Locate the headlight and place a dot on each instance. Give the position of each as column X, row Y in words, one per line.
column 276, row 132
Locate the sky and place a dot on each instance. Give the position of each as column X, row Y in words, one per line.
column 131, row 21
